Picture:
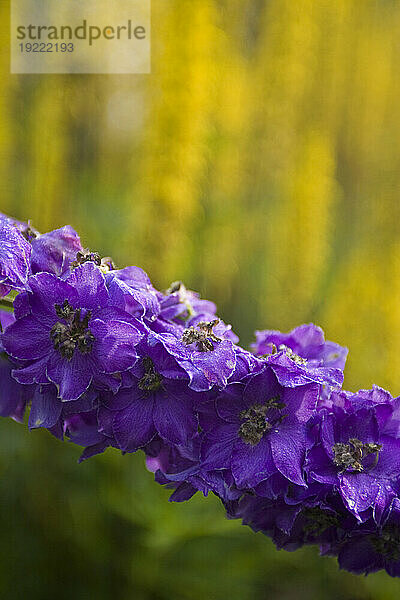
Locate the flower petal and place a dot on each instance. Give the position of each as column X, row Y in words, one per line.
column 174, row 418
column 251, row 464
column 90, row 285
column 73, row 377
column 115, row 345
column 27, row 339
column 46, row 409
column 134, row 427
column 288, row 451
column 217, row 446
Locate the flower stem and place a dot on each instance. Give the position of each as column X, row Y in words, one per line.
column 6, row 303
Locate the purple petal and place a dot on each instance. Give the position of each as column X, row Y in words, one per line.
column 251, row 464
column 183, row 492
column 4, row 290
column 15, row 254
column 174, row 418
column 90, row 284
column 73, row 377
column 288, row 451
column 94, row 450
column 361, row 425
column 320, row 467
column 217, row 446
column 48, row 290
column 230, row 403
column 21, row 305
column 388, row 465
column 115, row 344
column 51, row 251
column 46, row 409
column 6, row 319
column 135, row 301
column 262, row 387
column 358, row 491
column 34, row 373
column 27, row 339
column 134, row 427
column 217, row 365
column 301, row 401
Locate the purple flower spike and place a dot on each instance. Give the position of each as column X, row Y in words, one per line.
column 70, row 334
column 103, row 359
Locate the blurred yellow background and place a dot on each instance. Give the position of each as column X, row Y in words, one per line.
column 259, row 163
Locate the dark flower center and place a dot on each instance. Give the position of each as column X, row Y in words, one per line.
column 352, row 455
column 318, row 520
column 388, row 542
column 203, row 336
column 256, row 424
column 73, row 333
column 299, row 360
column 29, row 233
column 178, row 287
column 85, row 256
column 151, row 380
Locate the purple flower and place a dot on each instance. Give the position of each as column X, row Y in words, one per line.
column 302, row 356
column 358, row 452
column 260, row 428
column 15, row 254
column 105, row 360
column 54, row 252
column 71, row 334
column 368, row 549
column 159, row 401
column 205, row 353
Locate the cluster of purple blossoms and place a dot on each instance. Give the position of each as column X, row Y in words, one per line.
column 104, row 359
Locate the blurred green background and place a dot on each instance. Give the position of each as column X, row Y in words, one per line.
column 260, row 163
